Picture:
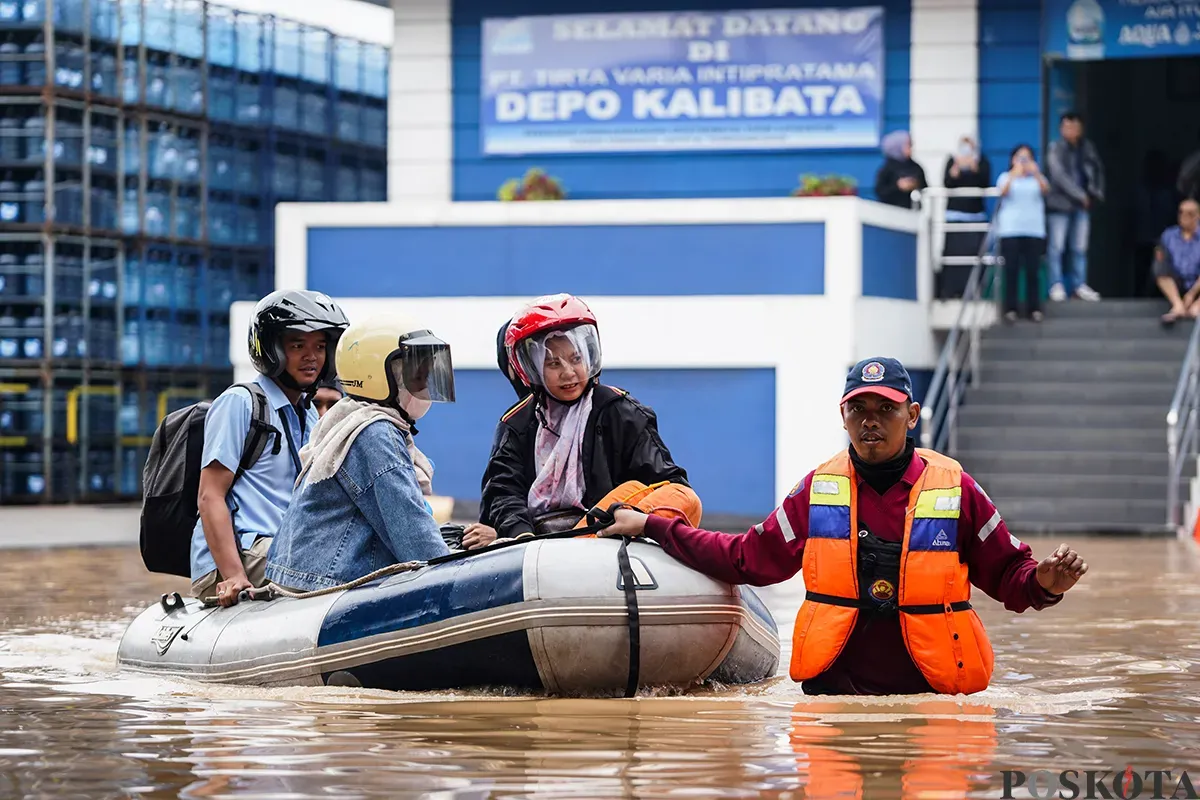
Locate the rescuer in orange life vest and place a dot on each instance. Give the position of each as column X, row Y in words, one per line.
column 890, row 537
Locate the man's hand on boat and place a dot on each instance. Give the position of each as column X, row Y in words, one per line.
column 626, row 522
column 228, row 590
column 1060, row 570
column 477, row 535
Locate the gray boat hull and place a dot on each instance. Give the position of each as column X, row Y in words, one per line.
column 548, row 615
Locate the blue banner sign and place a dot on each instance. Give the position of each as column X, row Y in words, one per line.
column 747, row 80
column 1090, row 30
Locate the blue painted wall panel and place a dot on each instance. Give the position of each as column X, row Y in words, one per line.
column 528, row 261
column 889, row 263
column 658, row 175
column 729, row 457
column 1010, row 77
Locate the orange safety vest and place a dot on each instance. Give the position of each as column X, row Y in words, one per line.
column 942, row 632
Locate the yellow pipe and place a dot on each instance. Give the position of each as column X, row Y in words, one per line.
column 14, row 388
column 73, row 406
column 136, row 441
column 166, row 394
column 13, row 441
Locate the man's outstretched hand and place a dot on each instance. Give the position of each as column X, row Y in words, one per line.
column 1061, row 570
column 626, row 522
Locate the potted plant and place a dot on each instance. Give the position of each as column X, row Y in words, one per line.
column 536, row 185
column 812, row 185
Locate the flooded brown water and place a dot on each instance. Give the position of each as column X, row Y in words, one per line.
column 1106, row 680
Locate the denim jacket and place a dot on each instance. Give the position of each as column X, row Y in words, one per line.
column 370, row 515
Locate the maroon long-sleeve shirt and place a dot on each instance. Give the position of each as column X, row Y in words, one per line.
column 875, row 660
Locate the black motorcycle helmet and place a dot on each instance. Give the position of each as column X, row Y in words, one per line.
column 298, row 311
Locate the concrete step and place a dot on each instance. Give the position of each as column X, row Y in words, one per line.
column 996, row 458
column 1075, row 309
column 1070, row 395
column 1084, row 349
column 1021, row 513
column 1029, row 527
column 1098, row 327
column 1103, row 371
column 1095, row 487
column 1091, row 440
column 984, row 414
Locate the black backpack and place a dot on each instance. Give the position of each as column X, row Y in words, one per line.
column 171, row 479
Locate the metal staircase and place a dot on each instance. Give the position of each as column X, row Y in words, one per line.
column 1082, row 423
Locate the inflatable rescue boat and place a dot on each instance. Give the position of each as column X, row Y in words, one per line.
column 565, row 616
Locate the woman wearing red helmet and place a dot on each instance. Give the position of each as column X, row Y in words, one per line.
column 573, row 443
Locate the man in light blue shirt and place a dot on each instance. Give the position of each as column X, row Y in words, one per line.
column 292, row 339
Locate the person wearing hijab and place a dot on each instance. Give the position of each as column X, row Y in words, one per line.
column 899, row 176
column 573, row 443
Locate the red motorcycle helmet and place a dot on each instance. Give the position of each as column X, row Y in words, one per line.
column 530, row 325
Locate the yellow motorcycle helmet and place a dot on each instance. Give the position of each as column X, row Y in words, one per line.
column 395, row 361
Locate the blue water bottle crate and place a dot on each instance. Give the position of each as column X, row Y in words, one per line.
column 251, row 53
column 285, row 36
column 375, row 70
column 316, row 59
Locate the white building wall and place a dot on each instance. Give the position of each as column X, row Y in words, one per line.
column 420, row 120
column 944, row 88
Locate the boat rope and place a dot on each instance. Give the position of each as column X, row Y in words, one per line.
column 598, row 519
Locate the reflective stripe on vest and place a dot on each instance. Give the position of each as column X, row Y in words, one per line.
column 942, row 632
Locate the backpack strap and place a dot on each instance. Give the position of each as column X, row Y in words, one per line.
column 261, row 429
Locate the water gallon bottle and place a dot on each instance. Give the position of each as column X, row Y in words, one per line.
column 10, row 54
column 35, row 334
column 11, row 132
column 130, row 472
column 157, row 221
column 35, row 200
column 10, row 203
column 130, row 341
column 33, row 11
column 157, row 76
column 104, row 75
column 35, row 275
column 60, row 345
column 129, row 81
column 68, row 143
column 129, row 211
column 35, row 138
column 249, row 101
column 35, row 63
column 11, row 335
column 10, row 12
column 247, row 230
column 11, row 279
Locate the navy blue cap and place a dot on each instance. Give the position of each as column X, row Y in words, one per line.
column 882, row 376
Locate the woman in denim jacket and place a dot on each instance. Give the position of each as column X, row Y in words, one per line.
column 360, row 498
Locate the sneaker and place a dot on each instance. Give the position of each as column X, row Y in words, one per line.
column 1037, row 316
column 1010, row 317
column 1086, row 292
column 1057, row 293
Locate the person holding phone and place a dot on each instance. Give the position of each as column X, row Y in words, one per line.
column 1021, row 228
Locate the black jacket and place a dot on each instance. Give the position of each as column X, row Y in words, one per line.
column 620, row 443
column 886, row 190
column 980, row 178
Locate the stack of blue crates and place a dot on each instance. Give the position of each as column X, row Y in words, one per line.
column 171, row 129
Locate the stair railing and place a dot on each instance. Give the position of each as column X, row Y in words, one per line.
column 1183, row 429
column 958, row 364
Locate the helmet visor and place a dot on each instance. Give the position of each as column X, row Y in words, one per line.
column 555, row 356
column 424, row 369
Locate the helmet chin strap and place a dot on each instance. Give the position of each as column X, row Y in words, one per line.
column 293, row 384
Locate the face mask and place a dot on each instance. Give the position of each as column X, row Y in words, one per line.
column 966, row 151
